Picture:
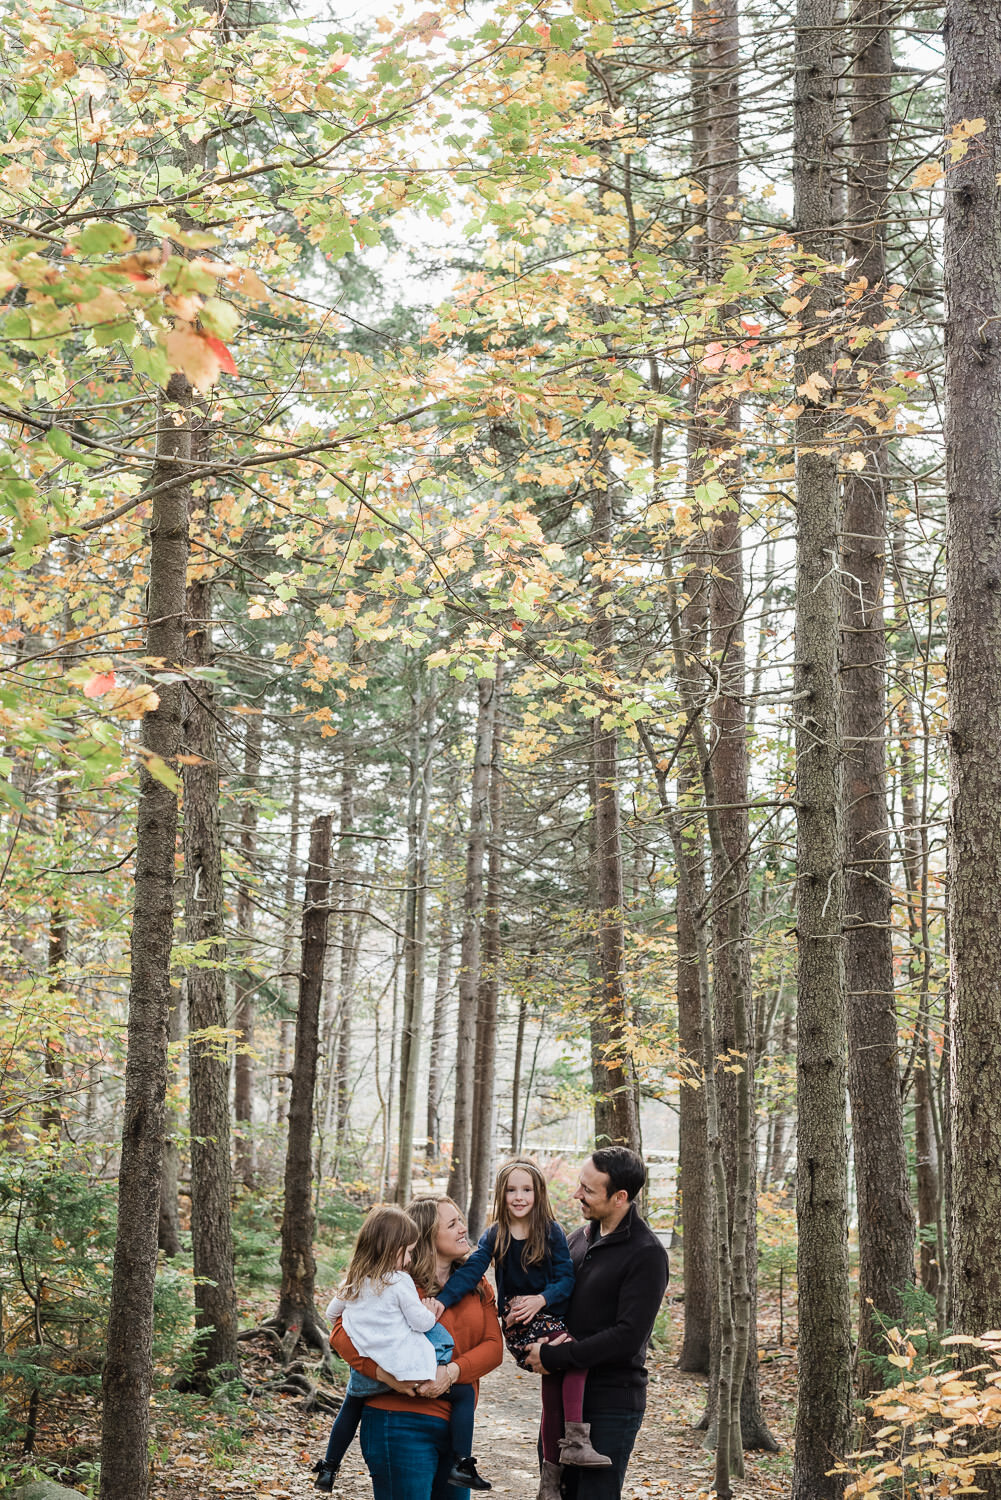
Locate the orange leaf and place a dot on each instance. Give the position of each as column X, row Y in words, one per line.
column 222, row 354
column 101, row 682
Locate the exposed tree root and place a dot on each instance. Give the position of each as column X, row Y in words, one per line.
column 293, row 1379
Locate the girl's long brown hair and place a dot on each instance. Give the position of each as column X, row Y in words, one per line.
column 424, row 1266
column 385, row 1233
column 540, row 1220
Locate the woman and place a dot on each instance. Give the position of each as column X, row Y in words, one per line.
column 404, row 1434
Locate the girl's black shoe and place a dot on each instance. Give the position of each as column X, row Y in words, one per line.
column 325, row 1476
column 465, row 1477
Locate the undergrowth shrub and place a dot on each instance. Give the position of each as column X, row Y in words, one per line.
column 938, row 1425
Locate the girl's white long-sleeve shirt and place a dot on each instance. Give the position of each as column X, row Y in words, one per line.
column 387, row 1322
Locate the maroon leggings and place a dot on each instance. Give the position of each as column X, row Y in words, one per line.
column 562, row 1395
column 562, row 1401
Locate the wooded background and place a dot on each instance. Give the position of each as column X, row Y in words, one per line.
column 474, row 642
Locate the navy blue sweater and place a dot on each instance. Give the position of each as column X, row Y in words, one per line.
column 552, row 1278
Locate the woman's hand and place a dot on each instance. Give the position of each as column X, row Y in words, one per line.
column 404, row 1387
column 445, row 1378
column 524, row 1309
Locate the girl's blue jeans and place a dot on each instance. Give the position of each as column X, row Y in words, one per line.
column 408, row 1456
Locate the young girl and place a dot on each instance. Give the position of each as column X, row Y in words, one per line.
column 535, row 1278
column 387, row 1321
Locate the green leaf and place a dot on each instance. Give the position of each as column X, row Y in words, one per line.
column 61, row 443
column 103, row 238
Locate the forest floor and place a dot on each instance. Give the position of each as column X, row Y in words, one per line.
column 264, row 1449
column 277, row 1444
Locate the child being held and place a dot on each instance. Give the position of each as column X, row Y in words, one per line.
column 535, row 1278
column 387, row 1321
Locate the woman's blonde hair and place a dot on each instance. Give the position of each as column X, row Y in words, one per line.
column 424, row 1266
column 540, row 1220
column 384, row 1235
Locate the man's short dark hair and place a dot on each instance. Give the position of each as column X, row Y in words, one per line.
column 622, row 1167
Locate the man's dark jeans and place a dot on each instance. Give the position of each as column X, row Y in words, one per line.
column 613, row 1433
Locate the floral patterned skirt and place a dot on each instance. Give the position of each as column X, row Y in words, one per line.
column 543, row 1327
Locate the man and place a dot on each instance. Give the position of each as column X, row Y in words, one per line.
column 621, row 1270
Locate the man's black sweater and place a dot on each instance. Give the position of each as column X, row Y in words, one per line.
column 621, row 1280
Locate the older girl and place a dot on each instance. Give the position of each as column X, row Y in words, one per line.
column 535, row 1278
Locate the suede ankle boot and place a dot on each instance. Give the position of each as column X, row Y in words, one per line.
column 575, row 1448
column 549, row 1483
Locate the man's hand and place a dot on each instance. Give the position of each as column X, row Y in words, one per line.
column 533, row 1358
column 443, row 1381
column 524, row 1309
column 435, row 1306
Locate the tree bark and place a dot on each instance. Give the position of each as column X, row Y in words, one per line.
column 126, row 1379
column 485, row 1069
column 616, row 1119
column 296, row 1317
column 208, row 1054
column 415, row 941
column 349, row 948
column 169, row 1223
column 469, row 959
column 243, row 1083
column 824, row 1409
column 290, row 985
column 973, row 485
column 885, row 1217
column 437, row 1060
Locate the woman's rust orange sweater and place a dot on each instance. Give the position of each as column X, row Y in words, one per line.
column 479, row 1348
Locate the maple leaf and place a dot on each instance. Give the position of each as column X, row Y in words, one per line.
column 101, row 682
column 198, row 355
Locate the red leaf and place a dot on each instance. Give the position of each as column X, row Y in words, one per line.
column 102, row 682
column 222, row 354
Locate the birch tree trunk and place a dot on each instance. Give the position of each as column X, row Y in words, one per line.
column 469, row 958
column 973, row 483
column 126, row 1379
column 886, row 1220
column 208, row 1055
column 824, row 1408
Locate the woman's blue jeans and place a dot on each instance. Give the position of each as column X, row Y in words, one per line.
column 408, row 1455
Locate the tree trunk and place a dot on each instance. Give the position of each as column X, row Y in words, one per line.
column 885, row 1217
column 973, row 485
column 169, row 1224
column 296, row 1317
column 349, row 949
column 243, row 1084
column 469, row 959
column 693, row 1162
column 126, row 1379
column 824, row 1409
column 208, row 1056
column 484, row 1076
column 415, row 942
column 437, row 1060
column 290, row 982
column 616, row 1119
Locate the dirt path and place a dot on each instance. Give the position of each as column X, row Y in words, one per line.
column 668, row 1460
